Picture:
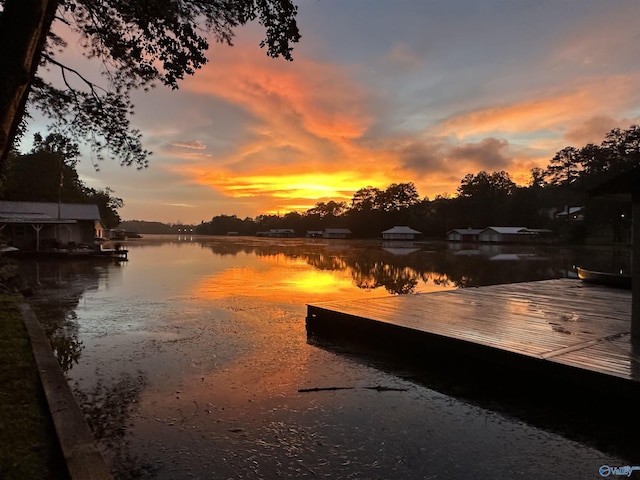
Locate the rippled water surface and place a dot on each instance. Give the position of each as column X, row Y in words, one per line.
column 191, row 360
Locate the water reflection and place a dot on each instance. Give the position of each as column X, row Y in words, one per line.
column 108, row 411
column 189, row 359
column 410, row 267
column 58, row 287
column 292, row 271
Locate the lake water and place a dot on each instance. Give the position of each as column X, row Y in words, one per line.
column 188, row 361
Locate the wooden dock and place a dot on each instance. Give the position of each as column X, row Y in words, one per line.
column 561, row 328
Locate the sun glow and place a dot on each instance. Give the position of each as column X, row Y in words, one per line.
column 289, row 192
column 300, row 282
column 308, row 186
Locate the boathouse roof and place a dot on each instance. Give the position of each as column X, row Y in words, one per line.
column 31, row 212
column 466, row 231
column 402, row 229
column 507, row 230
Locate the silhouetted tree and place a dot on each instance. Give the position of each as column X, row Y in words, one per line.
column 565, row 167
column 366, row 199
column 138, row 43
column 398, row 196
column 108, row 205
column 484, row 185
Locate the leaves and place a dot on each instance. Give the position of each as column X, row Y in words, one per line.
column 137, row 44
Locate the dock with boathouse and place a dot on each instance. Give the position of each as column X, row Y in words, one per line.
column 576, row 333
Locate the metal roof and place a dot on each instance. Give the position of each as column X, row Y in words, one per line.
column 30, row 218
column 401, row 229
column 467, row 231
column 48, row 210
column 506, row 230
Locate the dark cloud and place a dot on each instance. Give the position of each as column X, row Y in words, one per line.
column 591, row 130
column 423, row 157
column 489, row 153
column 439, row 156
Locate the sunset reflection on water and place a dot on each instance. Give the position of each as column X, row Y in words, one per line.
column 280, row 279
column 192, row 356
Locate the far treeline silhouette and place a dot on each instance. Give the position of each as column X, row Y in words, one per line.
column 482, row 200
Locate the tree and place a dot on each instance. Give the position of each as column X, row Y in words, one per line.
column 595, row 160
column 57, row 144
column 138, row 43
column 107, row 205
column 623, row 147
column 565, row 167
column 41, row 176
column 485, row 185
column 366, row 199
column 330, row 209
column 537, row 178
column 398, row 196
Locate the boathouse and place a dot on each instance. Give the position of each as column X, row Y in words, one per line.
column 513, row 234
column 336, row 233
column 281, row 233
column 464, row 235
column 400, row 233
column 42, row 225
column 503, row 234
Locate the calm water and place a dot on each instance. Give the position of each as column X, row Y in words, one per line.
column 189, row 358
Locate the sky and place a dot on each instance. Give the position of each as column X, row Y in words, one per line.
column 381, row 92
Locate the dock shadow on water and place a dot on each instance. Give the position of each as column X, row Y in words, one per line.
column 192, row 361
column 605, row 420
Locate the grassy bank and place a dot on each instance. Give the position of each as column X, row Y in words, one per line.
column 28, row 444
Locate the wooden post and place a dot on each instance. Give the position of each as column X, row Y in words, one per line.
column 37, row 228
column 635, row 265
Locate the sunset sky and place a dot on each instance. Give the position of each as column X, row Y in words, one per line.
column 382, row 92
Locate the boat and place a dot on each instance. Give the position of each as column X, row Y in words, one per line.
column 617, row 280
column 7, row 249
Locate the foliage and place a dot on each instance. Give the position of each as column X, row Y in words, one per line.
column 108, row 205
column 136, row 44
column 485, row 185
column 565, row 167
column 57, row 144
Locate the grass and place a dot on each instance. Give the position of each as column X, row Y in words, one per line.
column 28, row 443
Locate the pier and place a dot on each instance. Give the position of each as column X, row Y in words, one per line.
column 573, row 332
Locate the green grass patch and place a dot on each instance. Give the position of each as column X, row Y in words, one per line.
column 28, row 443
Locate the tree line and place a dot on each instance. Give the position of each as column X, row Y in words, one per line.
column 482, row 199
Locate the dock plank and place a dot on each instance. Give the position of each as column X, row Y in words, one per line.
column 561, row 322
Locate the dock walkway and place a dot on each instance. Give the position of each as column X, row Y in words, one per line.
column 564, row 327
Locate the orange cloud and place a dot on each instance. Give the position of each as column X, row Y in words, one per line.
column 303, row 137
column 317, row 97
column 548, row 111
column 307, row 133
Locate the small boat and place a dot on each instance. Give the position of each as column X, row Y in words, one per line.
column 617, row 280
column 7, row 249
